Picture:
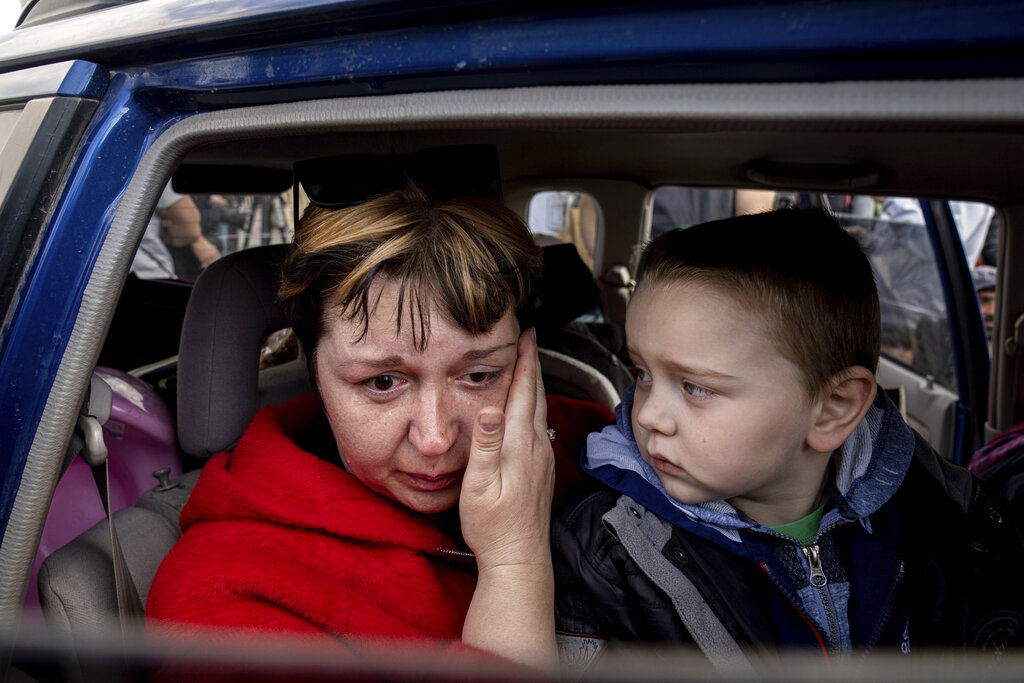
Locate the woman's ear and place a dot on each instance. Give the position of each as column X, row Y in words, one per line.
column 842, row 407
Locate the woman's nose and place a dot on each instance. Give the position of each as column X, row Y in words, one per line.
column 432, row 431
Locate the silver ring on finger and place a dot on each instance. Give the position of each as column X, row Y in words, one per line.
column 551, row 434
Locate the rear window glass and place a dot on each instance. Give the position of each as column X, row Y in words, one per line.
column 573, row 217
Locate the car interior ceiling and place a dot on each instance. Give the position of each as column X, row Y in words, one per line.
column 925, row 163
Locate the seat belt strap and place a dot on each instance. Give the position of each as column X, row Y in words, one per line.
column 129, row 605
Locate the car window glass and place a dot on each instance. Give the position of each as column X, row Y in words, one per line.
column 573, row 217
column 188, row 232
column 676, row 207
column 915, row 321
column 915, row 324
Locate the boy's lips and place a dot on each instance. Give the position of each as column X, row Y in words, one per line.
column 438, row 482
column 663, row 465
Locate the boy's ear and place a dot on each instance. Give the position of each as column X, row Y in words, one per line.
column 842, row 407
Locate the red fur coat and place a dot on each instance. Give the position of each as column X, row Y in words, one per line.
column 276, row 539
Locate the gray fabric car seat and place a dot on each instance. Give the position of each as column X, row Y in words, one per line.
column 77, row 592
column 220, row 387
column 568, row 376
column 76, row 582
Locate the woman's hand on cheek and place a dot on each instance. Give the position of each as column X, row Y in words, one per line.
column 505, row 508
column 505, row 505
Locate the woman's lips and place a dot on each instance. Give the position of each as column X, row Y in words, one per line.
column 423, row 482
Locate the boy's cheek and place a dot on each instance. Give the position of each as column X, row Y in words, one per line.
column 640, row 435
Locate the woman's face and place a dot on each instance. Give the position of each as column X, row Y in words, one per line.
column 403, row 418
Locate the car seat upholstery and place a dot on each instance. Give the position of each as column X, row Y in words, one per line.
column 76, row 582
column 568, row 376
column 220, row 388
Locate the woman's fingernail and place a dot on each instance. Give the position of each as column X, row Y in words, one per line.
column 490, row 422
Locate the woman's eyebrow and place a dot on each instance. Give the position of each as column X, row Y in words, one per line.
column 478, row 354
column 396, row 360
column 386, row 362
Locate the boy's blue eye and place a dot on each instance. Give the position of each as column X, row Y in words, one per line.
column 641, row 375
column 696, row 391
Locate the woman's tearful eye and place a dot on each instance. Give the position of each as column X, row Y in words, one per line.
column 482, row 377
column 382, row 383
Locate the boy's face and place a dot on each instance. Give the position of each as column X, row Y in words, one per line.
column 719, row 413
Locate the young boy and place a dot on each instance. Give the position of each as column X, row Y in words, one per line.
column 759, row 491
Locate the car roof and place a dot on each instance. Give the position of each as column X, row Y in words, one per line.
column 911, row 73
column 693, row 41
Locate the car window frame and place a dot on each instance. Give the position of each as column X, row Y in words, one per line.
column 966, row 328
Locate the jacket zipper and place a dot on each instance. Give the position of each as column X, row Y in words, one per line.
column 455, row 553
column 796, row 605
column 820, row 581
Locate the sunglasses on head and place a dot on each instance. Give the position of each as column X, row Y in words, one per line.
column 442, row 172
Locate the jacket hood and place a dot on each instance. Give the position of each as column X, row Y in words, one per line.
column 868, row 469
column 268, row 480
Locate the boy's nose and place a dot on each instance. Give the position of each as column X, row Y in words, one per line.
column 432, row 431
column 652, row 418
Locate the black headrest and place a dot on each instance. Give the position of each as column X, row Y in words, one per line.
column 442, row 172
column 232, row 308
column 567, row 289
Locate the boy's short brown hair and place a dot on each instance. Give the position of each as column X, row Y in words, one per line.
column 797, row 269
column 472, row 255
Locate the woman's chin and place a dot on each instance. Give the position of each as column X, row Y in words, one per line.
column 430, row 502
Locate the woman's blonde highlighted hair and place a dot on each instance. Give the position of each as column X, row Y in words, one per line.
column 472, row 256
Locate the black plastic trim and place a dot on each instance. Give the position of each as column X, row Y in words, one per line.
column 227, row 179
column 969, row 342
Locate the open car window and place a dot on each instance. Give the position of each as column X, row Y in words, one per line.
column 893, row 233
column 916, row 321
column 187, row 232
